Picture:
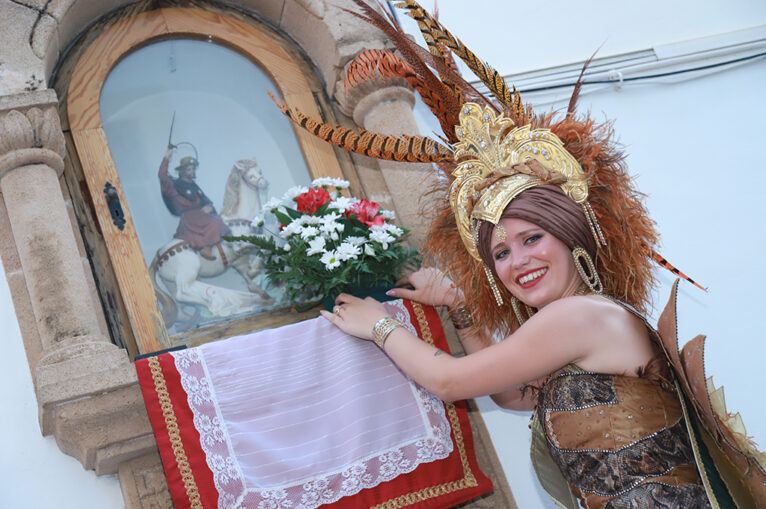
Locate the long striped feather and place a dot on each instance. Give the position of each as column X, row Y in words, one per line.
column 364, row 66
column 413, row 149
column 410, row 52
column 489, row 76
column 666, row 264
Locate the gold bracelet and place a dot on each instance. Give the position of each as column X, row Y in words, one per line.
column 461, row 317
column 382, row 329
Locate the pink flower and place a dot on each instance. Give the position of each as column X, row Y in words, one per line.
column 366, row 212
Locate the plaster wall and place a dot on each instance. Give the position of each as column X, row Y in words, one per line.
column 34, row 471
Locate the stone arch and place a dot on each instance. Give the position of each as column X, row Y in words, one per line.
column 327, row 35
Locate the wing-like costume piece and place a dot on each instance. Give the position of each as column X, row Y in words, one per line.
column 721, row 442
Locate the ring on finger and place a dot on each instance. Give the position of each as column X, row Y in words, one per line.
column 336, row 310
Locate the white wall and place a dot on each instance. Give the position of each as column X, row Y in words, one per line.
column 694, row 147
column 34, row 473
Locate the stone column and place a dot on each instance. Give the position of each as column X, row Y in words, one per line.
column 77, row 360
column 386, row 107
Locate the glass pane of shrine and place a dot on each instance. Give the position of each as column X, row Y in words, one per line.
column 231, row 150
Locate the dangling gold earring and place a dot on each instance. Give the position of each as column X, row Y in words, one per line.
column 493, row 286
column 581, row 256
column 516, row 310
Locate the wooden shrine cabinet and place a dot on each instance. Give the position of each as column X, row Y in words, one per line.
column 196, row 79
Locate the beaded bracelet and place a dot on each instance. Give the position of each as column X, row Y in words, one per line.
column 461, row 317
column 382, row 329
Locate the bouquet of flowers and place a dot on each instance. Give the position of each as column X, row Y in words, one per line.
column 321, row 243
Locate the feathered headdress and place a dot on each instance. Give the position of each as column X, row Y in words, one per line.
column 483, row 140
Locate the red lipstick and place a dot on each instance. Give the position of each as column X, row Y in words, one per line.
column 530, row 284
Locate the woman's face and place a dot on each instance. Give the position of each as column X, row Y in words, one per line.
column 533, row 264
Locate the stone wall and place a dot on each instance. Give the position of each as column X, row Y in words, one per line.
column 87, row 391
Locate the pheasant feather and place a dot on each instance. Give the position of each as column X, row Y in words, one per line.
column 413, row 149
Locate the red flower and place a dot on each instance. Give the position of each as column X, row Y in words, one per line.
column 312, row 199
column 366, row 212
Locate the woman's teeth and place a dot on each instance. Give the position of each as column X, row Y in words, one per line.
column 532, row 276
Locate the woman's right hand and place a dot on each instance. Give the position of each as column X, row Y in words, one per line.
column 429, row 286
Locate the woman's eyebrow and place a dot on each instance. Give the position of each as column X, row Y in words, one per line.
column 526, row 232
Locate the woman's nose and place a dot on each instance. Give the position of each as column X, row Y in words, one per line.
column 519, row 260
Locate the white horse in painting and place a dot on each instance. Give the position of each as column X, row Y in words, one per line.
column 179, row 266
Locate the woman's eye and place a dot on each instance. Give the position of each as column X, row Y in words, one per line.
column 533, row 238
column 501, row 254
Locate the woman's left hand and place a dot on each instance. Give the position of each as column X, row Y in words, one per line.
column 355, row 316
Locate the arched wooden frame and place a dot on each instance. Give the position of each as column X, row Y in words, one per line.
column 85, row 86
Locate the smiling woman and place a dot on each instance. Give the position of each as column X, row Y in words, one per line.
column 597, row 368
column 547, row 241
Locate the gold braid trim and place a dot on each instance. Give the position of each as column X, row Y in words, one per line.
column 171, row 425
column 468, row 480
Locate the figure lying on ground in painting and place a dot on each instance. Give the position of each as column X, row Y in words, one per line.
column 547, row 242
column 200, row 225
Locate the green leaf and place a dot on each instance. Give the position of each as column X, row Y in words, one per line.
column 282, row 217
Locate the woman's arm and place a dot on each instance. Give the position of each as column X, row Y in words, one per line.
column 430, row 286
column 558, row 334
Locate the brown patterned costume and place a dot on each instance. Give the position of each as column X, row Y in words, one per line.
column 620, row 441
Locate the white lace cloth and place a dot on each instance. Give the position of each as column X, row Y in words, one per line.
column 303, row 415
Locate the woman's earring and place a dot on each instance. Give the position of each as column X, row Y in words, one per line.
column 581, row 257
column 516, row 310
column 493, row 286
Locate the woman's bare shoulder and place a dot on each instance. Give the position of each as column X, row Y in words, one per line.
column 618, row 339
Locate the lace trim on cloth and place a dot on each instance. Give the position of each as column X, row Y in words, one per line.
column 419, row 435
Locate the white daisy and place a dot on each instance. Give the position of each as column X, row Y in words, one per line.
column 330, row 182
column 393, row 229
column 308, row 232
column 381, row 236
column 272, row 204
column 294, row 228
column 348, row 251
column 291, row 193
column 316, row 246
column 330, row 260
column 342, row 203
column 357, row 241
column 257, row 221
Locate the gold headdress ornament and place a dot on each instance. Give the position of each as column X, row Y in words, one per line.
column 490, row 145
column 492, row 150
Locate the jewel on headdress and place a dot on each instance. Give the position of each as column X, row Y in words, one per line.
column 500, row 233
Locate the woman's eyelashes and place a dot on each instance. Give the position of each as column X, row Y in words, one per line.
column 533, row 238
column 502, row 253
